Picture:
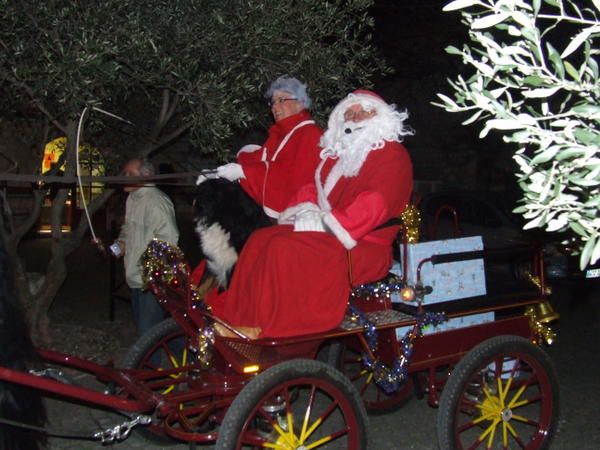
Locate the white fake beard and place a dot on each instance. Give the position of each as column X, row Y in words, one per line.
column 356, row 146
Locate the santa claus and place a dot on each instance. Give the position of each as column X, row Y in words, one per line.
column 295, row 278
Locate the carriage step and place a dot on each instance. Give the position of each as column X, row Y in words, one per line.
column 378, row 318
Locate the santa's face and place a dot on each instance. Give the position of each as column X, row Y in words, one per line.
column 357, row 113
column 284, row 105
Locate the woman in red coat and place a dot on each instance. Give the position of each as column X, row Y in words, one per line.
column 273, row 173
column 293, row 278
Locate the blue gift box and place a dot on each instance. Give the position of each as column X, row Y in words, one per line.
column 450, row 281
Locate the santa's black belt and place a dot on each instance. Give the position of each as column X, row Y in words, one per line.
column 395, row 222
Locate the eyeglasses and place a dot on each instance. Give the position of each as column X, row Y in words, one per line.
column 358, row 115
column 278, row 101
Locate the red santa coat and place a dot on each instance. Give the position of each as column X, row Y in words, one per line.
column 292, row 283
column 287, row 161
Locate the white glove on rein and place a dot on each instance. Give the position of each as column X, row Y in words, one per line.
column 231, row 172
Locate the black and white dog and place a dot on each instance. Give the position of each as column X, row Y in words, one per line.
column 17, row 403
column 225, row 217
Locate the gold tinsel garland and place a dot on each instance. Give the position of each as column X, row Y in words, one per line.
column 164, row 264
column 411, row 218
column 541, row 331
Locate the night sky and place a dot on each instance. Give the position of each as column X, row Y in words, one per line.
column 412, row 36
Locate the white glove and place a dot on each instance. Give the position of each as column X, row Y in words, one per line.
column 231, row 171
column 206, row 176
column 309, row 221
column 288, row 215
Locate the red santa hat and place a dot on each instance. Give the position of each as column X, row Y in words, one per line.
column 367, row 92
column 369, row 99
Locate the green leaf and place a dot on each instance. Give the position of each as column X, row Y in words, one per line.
column 586, row 253
column 583, row 182
column 577, row 228
column 571, row 70
column 447, row 100
column 531, row 35
column 586, row 109
column 451, row 50
column 473, row 118
column 489, row 20
column 546, row 155
column 555, row 60
column 533, row 80
column 578, row 40
column 522, row 19
column 526, row 119
column 504, row 124
column 541, row 92
column 570, row 153
column 586, row 137
column 485, row 69
column 536, row 6
column 458, row 4
column 593, row 65
column 596, row 253
column 536, row 222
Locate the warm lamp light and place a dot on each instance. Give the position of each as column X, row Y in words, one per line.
column 407, row 294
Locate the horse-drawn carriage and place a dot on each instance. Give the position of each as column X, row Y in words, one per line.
column 494, row 386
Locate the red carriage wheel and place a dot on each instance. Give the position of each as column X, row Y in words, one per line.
column 349, row 362
column 163, row 348
column 296, row 404
column 502, row 394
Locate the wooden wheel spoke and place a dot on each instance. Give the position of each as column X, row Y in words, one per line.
column 516, row 397
column 498, row 362
column 514, row 435
column 504, row 435
column 254, row 439
column 305, row 422
column 489, row 431
column 359, row 375
column 365, row 385
column 354, row 360
column 321, row 419
column 172, row 356
column 527, row 401
column 468, row 403
column 487, row 416
column 525, row 420
column 503, row 392
column 326, row 439
column 467, row 426
column 149, row 365
column 476, row 444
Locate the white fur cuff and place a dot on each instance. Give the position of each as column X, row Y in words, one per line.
column 339, row 231
column 288, row 216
